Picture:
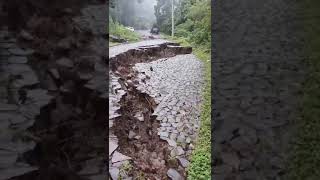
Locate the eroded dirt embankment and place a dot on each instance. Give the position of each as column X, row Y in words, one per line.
column 136, row 128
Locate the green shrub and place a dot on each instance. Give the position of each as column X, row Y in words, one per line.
column 121, row 31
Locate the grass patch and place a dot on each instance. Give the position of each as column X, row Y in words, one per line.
column 200, row 166
column 180, row 40
column 121, row 31
column 124, row 169
column 304, row 161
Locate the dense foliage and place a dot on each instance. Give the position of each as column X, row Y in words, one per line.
column 163, row 15
column 192, row 20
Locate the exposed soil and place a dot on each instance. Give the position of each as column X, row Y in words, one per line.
column 149, row 153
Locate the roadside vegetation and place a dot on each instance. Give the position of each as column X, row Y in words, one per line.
column 305, row 159
column 192, row 20
column 111, row 44
column 129, row 13
column 193, row 28
column 120, row 31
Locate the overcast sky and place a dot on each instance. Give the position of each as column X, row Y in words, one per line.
column 146, row 9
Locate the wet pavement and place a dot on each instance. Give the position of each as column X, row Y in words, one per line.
column 145, row 34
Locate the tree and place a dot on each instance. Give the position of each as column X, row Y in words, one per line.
column 192, row 19
column 163, row 15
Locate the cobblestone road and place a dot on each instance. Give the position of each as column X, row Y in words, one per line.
column 175, row 84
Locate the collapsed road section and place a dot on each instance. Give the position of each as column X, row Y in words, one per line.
column 154, row 100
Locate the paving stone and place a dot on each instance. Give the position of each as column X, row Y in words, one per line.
column 7, row 159
column 113, row 145
column 174, row 175
column 164, row 134
column 114, row 173
column 8, row 107
column 191, row 146
column 65, row 62
column 28, row 75
column 188, row 140
column 164, row 138
column 6, row 45
column 119, row 164
column 15, row 171
column 137, row 137
column 165, row 124
column 181, row 138
column 173, row 136
column 131, row 134
column 184, row 162
column 17, row 60
column 20, row 52
column 174, row 125
column 139, row 116
column 16, row 119
column 26, row 35
column 178, row 151
column 65, row 44
column 116, row 157
column 55, row 73
column 171, row 142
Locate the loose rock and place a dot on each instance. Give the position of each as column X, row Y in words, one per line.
column 114, row 173
column 174, row 175
column 116, row 157
column 184, row 162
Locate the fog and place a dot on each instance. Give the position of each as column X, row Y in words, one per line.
column 136, row 13
column 145, row 9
